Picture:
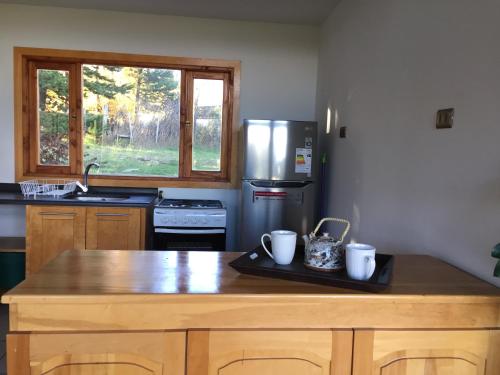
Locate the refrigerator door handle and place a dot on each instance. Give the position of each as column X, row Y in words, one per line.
column 269, row 194
column 280, row 184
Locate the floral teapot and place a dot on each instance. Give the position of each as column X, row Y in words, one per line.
column 324, row 253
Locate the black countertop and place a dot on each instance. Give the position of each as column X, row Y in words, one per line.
column 10, row 193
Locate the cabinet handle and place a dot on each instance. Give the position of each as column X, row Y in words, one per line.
column 57, row 213
column 105, row 214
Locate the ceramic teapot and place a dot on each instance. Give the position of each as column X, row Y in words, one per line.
column 325, row 253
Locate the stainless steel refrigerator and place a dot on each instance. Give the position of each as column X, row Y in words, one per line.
column 279, row 178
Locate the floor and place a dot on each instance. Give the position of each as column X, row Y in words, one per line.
column 4, row 326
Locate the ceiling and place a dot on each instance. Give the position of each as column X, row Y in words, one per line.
column 308, row 12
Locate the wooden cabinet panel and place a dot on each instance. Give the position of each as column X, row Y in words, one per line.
column 441, row 365
column 111, row 228
column 138, row 353
column 108, row 366
column 265, row 352
column 270, row 366
column 50, row 230
column 421, row 352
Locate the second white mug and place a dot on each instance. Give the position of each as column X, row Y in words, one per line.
column 360, row 261
column 283, row 245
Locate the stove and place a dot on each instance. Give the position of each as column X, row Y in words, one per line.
column 189, row 224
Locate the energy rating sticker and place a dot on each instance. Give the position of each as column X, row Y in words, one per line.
column 303, row 158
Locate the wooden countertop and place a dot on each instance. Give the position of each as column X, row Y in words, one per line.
column 199, row 289
column 161, row 273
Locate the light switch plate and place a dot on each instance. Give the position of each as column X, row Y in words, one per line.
column 343, row 132
column 444, row 118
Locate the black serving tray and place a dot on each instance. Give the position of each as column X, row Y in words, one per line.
column 258, row 263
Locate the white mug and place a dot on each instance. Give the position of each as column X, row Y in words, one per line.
column 283, row 243
column 360, row 261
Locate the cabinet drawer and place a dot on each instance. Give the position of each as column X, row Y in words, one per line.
column 51, row 230
column 111, row 228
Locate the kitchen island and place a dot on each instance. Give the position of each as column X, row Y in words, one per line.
column 146, row 312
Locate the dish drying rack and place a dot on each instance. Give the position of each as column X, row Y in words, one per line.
column 57, row 188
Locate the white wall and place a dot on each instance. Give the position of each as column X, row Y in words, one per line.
column 386, row 66
column 12, row 220
column 279, row 62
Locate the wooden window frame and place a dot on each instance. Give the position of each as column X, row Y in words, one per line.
column 226, row 112
column 74, row 118
column 27, row 60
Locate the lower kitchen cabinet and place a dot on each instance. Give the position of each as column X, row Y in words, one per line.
column 51, row 230
column 110, row 228
column 312, row 352
column 138, row 353
column 379, row 352
column 256, row 352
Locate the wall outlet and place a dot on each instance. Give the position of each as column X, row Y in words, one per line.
column 444, row 118
column 343, row 132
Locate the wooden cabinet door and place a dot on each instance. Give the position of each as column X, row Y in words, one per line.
column 271, row 352
column 111, row 228
column 51, row 230
column 424, row 352
column 138, row 353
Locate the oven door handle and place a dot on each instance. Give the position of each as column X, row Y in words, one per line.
column 189, row 231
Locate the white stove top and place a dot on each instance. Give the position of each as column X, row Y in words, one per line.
column 189, row 203
column 187, row 213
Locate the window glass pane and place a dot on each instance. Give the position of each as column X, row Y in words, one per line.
column 53, row 119
column 131, row 120
column 207, row 124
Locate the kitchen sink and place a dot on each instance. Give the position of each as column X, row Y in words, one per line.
column 98, row 198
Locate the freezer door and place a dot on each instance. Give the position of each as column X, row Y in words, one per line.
column 272, row 205
column 279, row 150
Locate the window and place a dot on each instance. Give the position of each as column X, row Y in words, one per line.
column 131, row 120
column 145, row 119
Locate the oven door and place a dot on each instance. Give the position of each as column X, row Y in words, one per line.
column 190, row 239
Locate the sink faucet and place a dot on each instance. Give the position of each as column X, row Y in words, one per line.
column 85, row 185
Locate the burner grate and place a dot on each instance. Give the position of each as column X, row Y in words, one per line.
column 189, row 203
